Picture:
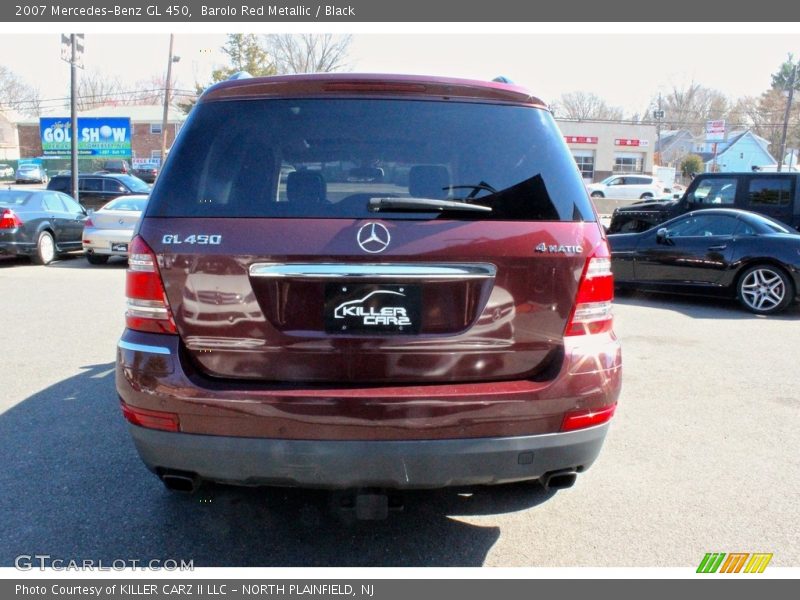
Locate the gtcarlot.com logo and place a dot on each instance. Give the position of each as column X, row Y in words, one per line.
column 28, row 562
column 735, row 562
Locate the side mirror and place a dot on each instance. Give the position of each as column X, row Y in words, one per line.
column 662, row 235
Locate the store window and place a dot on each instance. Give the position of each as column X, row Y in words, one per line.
column 585, row 161
column 628, row 162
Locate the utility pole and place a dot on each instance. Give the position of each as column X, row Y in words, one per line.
column 171, row 60
column 786, row 117
column 659, row 117
column 73, row 102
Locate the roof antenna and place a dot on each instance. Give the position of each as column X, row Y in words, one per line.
column 240, row 75
column 502, row 79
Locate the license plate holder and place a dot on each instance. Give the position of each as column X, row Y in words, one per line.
column 366, row 308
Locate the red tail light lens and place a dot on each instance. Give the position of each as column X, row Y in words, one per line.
column 148, row 309
column 9, row 219
column 88, row 223
column 580, row 419
column 592, row 312
column 152, row 419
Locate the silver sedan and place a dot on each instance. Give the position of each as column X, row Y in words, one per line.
column 108, row 231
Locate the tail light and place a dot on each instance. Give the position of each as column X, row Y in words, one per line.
column 148, row 309
column 9, row 219
column 580, row 419
column 592, row 312
column 88, row 222
column 152, row 419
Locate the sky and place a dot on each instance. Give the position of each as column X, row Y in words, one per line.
column 625, row 69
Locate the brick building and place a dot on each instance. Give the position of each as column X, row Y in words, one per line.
column 146, row 124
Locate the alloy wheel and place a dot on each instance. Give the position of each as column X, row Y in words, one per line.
column 763, row 289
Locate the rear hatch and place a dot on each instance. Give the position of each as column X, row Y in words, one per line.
column 376, row 241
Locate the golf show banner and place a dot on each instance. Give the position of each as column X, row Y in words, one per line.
column 98, row 137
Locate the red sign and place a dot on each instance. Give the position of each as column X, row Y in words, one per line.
column 580, row 139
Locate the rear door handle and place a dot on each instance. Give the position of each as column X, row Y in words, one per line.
column 720, row 247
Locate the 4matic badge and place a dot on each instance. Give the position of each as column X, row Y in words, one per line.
column 558, row 249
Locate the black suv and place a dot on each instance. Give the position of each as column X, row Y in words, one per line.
column 98, row 189
column 775, row 195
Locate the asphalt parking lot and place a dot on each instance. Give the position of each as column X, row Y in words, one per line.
column 702, row 455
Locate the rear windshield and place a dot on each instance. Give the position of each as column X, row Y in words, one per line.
column 127, row 204
column 14, row 198
column 329, row 157
column 134, row 184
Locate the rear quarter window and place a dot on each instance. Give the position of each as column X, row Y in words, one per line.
column 327, row 157
column 770, row 191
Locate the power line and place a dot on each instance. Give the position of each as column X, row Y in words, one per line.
column 96, row 96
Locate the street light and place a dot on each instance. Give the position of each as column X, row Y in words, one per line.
column 172, row 59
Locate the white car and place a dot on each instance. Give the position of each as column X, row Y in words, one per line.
column 108, row 231
column 627, row 187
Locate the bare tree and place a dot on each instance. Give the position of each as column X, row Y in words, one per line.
column 690, row 106
column 17, row 95
column 307, row 52
column 96, row 89
column 585, row 106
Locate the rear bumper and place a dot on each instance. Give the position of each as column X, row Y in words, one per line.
column 13, row 248
column 415, row 464
column 100, row 240
column 414, row 436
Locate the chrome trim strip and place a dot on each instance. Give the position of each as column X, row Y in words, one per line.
column 143, row 348
column 373, row 271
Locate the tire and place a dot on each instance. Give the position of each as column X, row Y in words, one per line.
column 646, row 197
column 45, row 249
column 764, row 289
column 597, row 195
column 97, row 259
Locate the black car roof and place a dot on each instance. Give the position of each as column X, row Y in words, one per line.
column 84, row 175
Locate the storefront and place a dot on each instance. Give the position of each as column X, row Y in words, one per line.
column 602, row 148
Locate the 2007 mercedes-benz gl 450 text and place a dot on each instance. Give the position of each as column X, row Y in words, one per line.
column 350, row 281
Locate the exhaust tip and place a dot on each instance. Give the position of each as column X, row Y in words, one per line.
column 186, row 483
column 559, row 480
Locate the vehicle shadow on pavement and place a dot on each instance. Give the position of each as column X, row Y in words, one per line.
column 699, row 307
column 73, row 487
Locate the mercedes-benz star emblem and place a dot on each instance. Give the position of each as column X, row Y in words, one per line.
column 373, row 238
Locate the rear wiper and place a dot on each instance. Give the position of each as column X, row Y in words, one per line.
column 422, row 204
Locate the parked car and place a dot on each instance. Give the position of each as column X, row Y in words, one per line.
column 147, row 172
column 108, row 231
column 625, row 187
column 30, row 173
column 722, row 252
column 775, row 195
column 95, row 190
column 39, row 224
column 454, row 329
column 116, row 166
column 6, row 171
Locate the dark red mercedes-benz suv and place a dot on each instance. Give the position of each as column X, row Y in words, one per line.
column 347, row 281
